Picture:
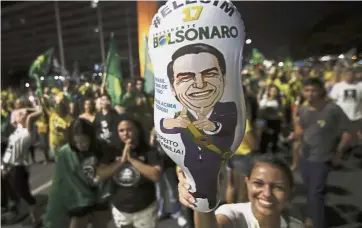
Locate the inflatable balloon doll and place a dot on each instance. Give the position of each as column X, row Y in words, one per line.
column 196, row 51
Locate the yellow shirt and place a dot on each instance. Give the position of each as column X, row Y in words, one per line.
column 42, row 125
column 57, row 129
column 244, row 147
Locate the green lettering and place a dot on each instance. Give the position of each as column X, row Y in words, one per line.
column 233, row 32
column 204, row 33
column 155, row 42
column 215, row 32
column 225, row 31
column 179, row 36
column 188, row 34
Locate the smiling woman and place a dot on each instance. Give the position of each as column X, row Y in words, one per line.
column 269, row 183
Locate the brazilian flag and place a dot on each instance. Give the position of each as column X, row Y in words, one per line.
column 148, row 76
column 40, row 67
column 71, row 189
column 114, row 73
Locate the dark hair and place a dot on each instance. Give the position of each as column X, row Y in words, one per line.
column 279, row 163
column 142, row 144
column 106, row 95
column 278, row 97
column 195, row 49
column 92, row 104
column 138, row 79
column 82, row 127
column 276, row 162
column 315, row 82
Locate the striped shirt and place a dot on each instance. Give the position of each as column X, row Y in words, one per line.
column 18, row 147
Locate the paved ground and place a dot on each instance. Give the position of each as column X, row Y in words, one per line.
column 344, row 197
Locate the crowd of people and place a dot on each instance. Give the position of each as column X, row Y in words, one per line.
column 109, row 164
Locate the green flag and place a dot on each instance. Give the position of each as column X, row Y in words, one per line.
column 114, row 73
column 40, row 67
column 148, row 76
column 288, row 64
column 258, row 57
column 72, row 189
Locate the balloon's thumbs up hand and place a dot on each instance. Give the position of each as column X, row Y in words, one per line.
column 183, row 112
column 201, row 114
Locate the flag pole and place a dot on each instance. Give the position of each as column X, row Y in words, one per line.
column 60, row 37
column 105, row 75
column 130, row 53
column 101, row 37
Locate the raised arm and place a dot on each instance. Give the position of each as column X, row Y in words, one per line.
column 201, row 220
column 35, row 114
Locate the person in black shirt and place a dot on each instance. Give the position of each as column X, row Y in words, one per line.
column 134, row 202
column 105, row 122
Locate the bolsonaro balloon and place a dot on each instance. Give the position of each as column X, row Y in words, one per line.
column 196, row 50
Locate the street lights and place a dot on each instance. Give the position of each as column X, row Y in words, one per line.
column 248, row 41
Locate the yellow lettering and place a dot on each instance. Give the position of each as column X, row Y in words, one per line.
column 192, row 13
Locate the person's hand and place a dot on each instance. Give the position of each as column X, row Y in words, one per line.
column 152, row 137
column 203, row 123
column 4, row 171
column 291, row 137
column 126, row 151
column 180, row 122
column 185, row 196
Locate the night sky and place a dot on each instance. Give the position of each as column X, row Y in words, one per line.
column 282, row 29
column 273, row 26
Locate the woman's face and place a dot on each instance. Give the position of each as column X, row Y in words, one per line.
column 268, row 190
column 127, row 131
column 105, row 102
column 87, row 106
column 82, row 142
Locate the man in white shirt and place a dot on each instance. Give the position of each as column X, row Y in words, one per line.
column 348, row 96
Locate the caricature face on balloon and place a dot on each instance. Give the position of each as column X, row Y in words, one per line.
column 199, row 116
column 198, row 85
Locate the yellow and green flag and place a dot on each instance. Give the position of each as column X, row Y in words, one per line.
column 40, row 67
column 148, row 76
column 114, row 73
